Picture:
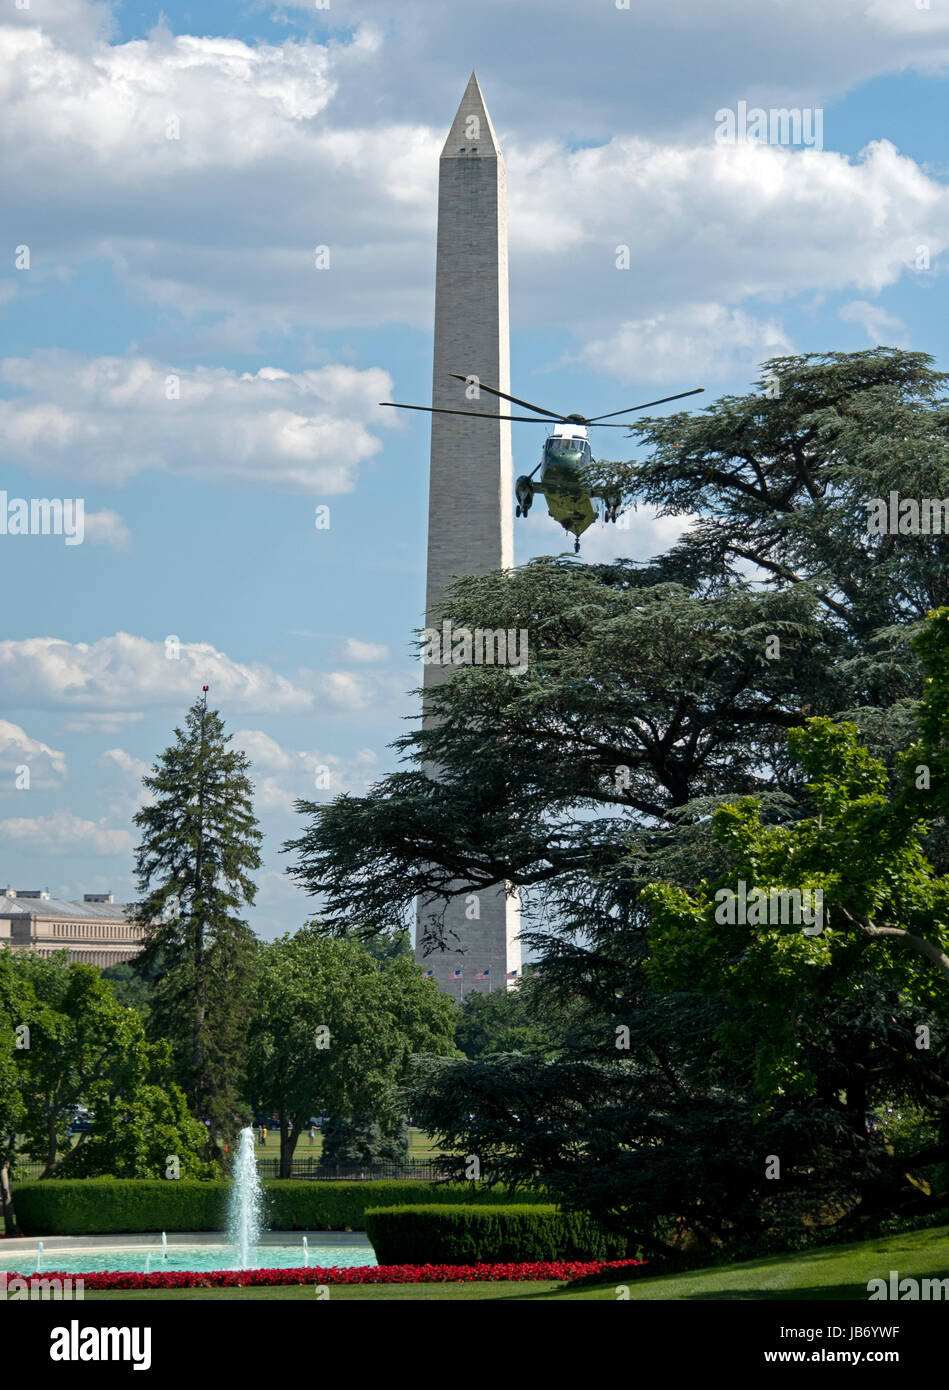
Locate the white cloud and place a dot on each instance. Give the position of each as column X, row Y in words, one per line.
column 47, row 766
column 111, row 418
column 131, row 767
column 64, row 833
column 111, row 722
column 282, row 775
column 881, row 328
column 106, row 528
column 637, row 535
column 696, row 342
column 364, row 652
column 279, row 152
column 121, row 671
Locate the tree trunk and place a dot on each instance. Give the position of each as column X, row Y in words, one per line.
column 6, row 1201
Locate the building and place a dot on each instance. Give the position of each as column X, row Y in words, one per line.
column 96, row 931
column 471, row 484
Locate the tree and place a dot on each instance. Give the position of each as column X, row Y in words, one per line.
column 199, row 846
column 359, row 1139
column 17, row 1009
column 86, row 1050
column 510, row 1020
column 654, row 694
column 333, row 1031
column 128, row 987
column 654, row 690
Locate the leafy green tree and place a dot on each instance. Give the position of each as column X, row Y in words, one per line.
column 17, row 1008
column 86, row 1050
column 128, row 987
column 198, row 849
column 509, row 1021
column 333, row 1031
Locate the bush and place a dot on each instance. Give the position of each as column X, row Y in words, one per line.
column 486, row 1233
column 101, row 1206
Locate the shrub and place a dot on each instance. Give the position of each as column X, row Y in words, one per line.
column 481, row 1233
column 101, row 1206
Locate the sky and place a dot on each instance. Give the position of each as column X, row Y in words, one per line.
column 172, row 354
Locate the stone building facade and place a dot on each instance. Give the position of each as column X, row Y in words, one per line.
column 96, row 931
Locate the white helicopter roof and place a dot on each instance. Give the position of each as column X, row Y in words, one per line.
column 568, row 432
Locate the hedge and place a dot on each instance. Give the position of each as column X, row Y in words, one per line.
column 486, row 1234
column 103, row 1206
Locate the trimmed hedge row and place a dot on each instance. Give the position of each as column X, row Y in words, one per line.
column 486, row 1234
column 105, row 1206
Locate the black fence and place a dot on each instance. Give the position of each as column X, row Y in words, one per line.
column 415, row 1170
column 313, row 1169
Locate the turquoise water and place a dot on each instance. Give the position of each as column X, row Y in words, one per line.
column 186, row 1257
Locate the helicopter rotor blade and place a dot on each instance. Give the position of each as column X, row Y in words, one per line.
column 515, row 400
column 473, row 414
column 661, row 401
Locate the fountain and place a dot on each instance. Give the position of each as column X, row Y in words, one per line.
column 148, row 1262
column 39, row 1258
column 306, row 1253
column 164, row 1247
column 244, row 1212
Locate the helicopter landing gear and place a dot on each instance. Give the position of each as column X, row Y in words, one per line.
column 517, row 509
column 576, row 546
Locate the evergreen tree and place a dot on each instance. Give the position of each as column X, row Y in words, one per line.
column 199, row 846
column 655, row 693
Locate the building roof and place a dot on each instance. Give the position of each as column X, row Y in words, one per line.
column 64, row 907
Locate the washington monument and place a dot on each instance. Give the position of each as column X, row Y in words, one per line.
column 470, row 526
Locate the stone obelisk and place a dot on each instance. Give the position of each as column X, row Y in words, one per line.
column 470, row 525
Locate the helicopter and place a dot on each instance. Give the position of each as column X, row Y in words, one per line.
column 566, row 457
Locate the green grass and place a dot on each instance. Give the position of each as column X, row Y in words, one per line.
column 835, row 1272
column 343, row 1293
column 421, row 1146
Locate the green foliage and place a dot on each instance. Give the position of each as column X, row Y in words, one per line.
column 435, row 1234
column 654, row 697
column 130, row 990
column 86, row 1049
column 508, row 1020
column 333, row 1030
column 102, row 1206
column 883, row 904
column 199, row 846
column 357, row 1139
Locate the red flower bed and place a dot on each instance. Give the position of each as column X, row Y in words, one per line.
column 561, row 1270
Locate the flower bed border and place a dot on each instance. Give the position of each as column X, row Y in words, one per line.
column 561, row 1270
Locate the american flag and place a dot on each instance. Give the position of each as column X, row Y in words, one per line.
column 428, row 974
column 482, row 974
column 455, row 975
column 511, row 975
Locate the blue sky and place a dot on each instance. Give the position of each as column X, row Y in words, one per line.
column 192, row 257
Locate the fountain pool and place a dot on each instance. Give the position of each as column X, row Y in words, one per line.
column 247, row 1249
column 114, row 1257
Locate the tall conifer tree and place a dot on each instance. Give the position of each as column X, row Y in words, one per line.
column 199, row 846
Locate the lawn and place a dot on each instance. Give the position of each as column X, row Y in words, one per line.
column 421, row 1147
column 834, row 1272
